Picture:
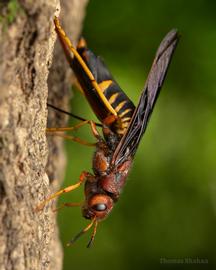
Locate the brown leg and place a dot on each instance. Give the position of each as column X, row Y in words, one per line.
column 67, row 205
column 61, row 129
column 84, row 175
column 75, row 139
column 68, row 128
column 94, row 130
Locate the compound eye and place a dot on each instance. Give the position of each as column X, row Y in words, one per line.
column 99, row 207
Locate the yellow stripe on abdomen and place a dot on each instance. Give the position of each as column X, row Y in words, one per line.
column 120, row 105
column 113, row 98
column 105, row 84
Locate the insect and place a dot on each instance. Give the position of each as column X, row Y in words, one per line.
column 123, row 124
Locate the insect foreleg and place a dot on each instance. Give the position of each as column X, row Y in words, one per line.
column 84, row 175
column 66, row 205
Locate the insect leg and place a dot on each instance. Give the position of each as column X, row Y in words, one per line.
column 72, row 138
column 84, row 175
column 53, row 131
column 68, row 128
column 94, row 130
column 66, row 205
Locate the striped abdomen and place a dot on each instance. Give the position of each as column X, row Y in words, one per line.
column 112, row 91
column 120, row 103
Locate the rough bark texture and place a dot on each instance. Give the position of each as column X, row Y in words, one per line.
column 27, row 173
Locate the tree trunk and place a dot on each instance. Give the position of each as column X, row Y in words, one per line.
column 29, row 240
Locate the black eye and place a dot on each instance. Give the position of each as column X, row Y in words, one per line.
column 99, row 207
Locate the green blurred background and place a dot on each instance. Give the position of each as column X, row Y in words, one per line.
column 168, row 206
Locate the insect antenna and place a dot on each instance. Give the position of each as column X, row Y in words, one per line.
column 93, row 234
column 70, row 114
column 82, row 232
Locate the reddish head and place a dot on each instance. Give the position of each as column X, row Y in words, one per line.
column 97, row 206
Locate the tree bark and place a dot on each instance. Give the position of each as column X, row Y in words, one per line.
column 28, row 165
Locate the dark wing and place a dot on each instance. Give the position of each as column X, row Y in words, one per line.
column 128, row 144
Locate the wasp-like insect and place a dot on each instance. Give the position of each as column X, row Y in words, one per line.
column 123, row 124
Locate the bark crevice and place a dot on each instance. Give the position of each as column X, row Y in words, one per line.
column 28, row 162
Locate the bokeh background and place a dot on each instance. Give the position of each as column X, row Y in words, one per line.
column 167, row 210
